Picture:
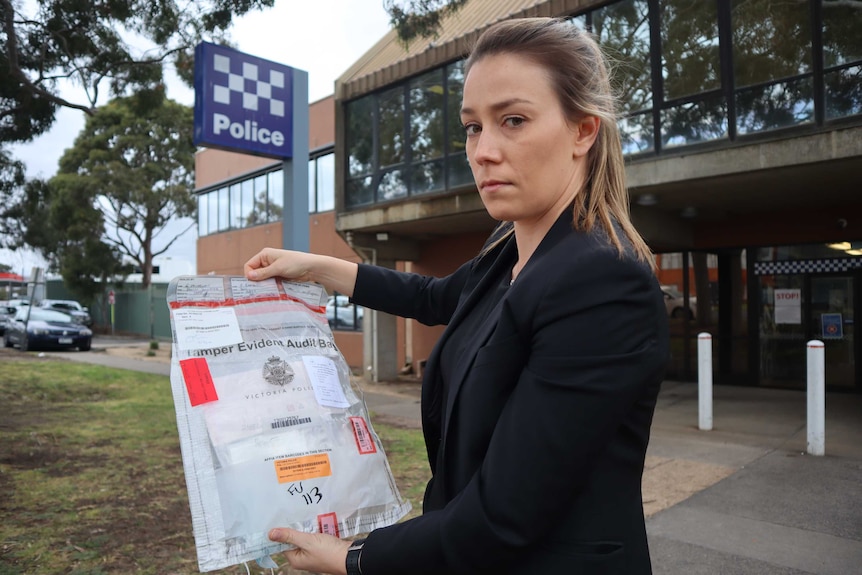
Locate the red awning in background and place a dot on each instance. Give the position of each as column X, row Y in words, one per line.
column 10, row 277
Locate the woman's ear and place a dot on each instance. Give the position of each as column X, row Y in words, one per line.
column 585, row 132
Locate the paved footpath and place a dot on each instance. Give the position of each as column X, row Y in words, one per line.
column 741, row 499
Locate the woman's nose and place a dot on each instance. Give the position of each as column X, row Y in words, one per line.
column 486, row 148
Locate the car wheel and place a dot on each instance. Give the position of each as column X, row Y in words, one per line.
column 25, row 345
column 85, row 346
column 6, row 342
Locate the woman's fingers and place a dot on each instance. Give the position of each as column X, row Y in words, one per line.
column 314, row 551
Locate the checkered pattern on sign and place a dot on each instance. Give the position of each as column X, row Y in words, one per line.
column 258, row 89
column 807, row 266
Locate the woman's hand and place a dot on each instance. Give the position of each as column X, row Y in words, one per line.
column 332, row 273
column 314, row 552
column 270, row 262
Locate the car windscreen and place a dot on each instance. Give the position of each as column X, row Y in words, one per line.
column 48, row 315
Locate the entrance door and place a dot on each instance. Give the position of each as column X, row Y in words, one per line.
column 831, row 314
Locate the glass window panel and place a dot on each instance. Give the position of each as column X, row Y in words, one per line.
column 689, row 45
column 275, row 196
column 771, row 40
column 623, row 31
column 636, row 133
column 391, row 127
column 212, row 205
column 223, row 206
column 235, row 204
column 312, row 186
column 774, row 106
column 360, row 136
column 842, row 32
column 579, row 22
column 460, row 173
column 427, row 177
column 392, row 186
column 694, row 122
column 358, row 192
column 844, row 92
column 326, row 183
column 254, row 204
column 426, row 116
column 249, row 216
column 454, row 94
column 203, row 212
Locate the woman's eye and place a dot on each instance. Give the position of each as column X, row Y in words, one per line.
column 513, row 121
column 472, row 129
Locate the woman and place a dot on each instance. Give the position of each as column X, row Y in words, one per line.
column 538, row 398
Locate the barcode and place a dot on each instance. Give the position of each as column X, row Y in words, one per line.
column 363, row 439
column 290, row 422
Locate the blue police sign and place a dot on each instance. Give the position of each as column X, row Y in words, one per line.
column 242, row 103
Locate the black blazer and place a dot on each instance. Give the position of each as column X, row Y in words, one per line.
column 538, row 454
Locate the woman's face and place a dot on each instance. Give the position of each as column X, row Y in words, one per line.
column 527, row 159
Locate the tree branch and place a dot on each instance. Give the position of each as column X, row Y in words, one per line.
column 15, row 67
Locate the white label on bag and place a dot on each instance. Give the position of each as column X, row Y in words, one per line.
column 206, row 328
column 323, row 375
column 200, row 289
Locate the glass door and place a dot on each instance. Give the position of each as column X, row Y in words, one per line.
column 831, row 309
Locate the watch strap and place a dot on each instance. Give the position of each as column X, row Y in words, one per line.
column 354, row 552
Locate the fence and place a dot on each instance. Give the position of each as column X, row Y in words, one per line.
column 137, row 311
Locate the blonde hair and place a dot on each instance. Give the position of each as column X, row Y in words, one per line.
column 579, row 74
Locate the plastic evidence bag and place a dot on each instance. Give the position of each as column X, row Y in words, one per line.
column 271, row 431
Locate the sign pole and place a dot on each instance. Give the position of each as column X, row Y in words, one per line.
column 295, row 220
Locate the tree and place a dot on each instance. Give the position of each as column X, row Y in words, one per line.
column 121, row 45
column 419, row 18
column 132, row 165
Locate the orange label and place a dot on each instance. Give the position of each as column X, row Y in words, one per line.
column 301, row 468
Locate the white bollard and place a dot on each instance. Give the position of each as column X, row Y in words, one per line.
column 704, row 381
column 816, row 385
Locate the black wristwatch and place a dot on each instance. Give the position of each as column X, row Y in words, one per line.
column 353, row 555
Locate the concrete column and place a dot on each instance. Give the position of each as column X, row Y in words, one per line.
column 380, row 349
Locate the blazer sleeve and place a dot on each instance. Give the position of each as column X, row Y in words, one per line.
column 429, row 300
column 594, row 331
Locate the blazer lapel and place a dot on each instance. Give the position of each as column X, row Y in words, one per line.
column 561, row 228
column 490, row 276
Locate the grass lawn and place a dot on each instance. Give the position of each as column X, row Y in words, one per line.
column 91, row 478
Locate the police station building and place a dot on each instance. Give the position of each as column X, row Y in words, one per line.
column 742, row 128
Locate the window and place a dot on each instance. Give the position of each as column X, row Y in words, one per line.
column 321, row 183
column 275, row 196
column 246, row 202
column 772, row 64
column 407, row 139
column 685, row 72
column 842, row 58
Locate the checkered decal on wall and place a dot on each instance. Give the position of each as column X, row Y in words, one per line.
column 249, row 85
column 807, row 266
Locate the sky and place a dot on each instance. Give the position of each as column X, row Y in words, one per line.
column 324, row 38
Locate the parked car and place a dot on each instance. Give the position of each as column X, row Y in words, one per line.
column 46, row 328
column 342, row 314
column 78, row 312
column 6, row 312
column 675, row 303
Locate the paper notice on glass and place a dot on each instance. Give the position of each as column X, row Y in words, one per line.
column 206, row 328
column 788, row 306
